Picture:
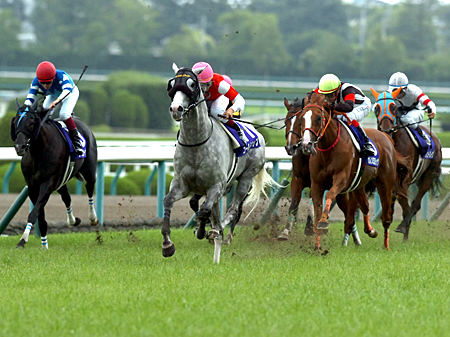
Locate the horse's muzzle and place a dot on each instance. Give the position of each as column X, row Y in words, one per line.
column 176, row 111
column 291, row 149
column 309, row 149
column 20, row 149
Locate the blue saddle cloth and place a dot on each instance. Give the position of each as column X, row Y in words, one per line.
column 371, row 160
column 250, row 132
column 65, row 133
column 426, row 151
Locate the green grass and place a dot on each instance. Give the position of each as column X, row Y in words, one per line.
column 124, row 287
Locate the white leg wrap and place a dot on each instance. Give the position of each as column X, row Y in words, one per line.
column 355, row 234
column 26, row 233
column 44, row 242
column 70, row 217
column 92, row 213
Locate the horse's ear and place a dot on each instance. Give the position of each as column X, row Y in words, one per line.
column 175, row 67
column 13, row 129
column 198, row 71
column 375, row 93
column 17, row 104
column 396, row 92
column 287, row 105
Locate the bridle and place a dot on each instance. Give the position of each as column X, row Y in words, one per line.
column 180, row 84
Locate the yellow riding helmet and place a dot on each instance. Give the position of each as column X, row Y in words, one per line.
column 329, row 83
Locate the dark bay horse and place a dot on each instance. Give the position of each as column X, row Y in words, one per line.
column 335, row 161
column 424, row 173
column 301, row 177
column 47, row 166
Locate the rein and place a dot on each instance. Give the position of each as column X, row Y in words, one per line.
column 201, row 143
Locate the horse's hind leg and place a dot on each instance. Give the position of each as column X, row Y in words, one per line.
column 88, row 173
column 65, row 196
column 361, row 197
column 349, row 224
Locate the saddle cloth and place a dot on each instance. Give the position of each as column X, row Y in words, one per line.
column 238, row 146
column 426, row 151
column 65, row 132
column 358, row 141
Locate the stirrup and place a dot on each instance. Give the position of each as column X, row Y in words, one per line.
column 242, row 137
column 368, row 150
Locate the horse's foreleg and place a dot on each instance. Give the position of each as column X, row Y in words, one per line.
column 177, row 191
column 296, row 194
column 339, row 182
column 317, row 197
column 385, row 193
column 406, row 214
column 65, row 196
column 43, row 227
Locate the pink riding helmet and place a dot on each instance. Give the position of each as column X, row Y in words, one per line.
column 206, row 75
column 227, row 79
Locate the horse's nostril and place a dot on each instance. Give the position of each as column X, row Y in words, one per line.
column 180, row 108
column 170, row 108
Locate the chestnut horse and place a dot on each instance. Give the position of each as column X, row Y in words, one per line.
column 424, row 172
column 301, row 178
column 334, row 164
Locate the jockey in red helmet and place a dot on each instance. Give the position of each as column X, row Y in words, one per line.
column 58, row 86
column 221, row 93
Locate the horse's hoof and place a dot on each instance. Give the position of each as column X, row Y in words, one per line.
column 77, row 222
column 322, row 225
column 228, row 239
column 21, row 244
column 256, row 227
column 401, row 229
column 200, row 233
column 168, row 250
column 93, row 222
column 214, row 234
column 309, row 231
column 284, row 236
column 373, row 233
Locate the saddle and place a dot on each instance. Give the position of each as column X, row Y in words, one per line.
column 238, row 146
column 62, row 128
column 358, row 142
column 426, row 151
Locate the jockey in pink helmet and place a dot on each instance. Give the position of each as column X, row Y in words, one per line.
column 221, row 93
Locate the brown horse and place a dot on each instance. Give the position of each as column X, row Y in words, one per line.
column 334, row 164
column 424, row 172
column 301, row 178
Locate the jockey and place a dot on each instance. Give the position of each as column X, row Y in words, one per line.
column 409, row 102
column 221, row 93
column 58, row 86
column 348, row 98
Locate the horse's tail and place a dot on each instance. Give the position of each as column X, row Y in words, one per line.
column 403, row 170
column 436, row 185
column 259, row 183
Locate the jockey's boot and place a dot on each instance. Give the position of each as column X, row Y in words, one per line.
column 76, row 141
column 423, row 135
column 368, row 149
column 240, row 133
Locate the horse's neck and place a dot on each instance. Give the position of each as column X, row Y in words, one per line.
column 42, row 143
column 195, row 126
column 330, row 135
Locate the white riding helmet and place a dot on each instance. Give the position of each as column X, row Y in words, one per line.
column 397, row 80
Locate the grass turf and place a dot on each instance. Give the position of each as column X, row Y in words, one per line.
column 262, row 287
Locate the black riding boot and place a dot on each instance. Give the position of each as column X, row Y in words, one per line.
column 76, row 141
column 240, row 133
column 368, row 149
column 423, row 135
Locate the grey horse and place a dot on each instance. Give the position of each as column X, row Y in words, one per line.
column 205, row 164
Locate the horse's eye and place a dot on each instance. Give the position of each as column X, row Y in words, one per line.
column 191, row 84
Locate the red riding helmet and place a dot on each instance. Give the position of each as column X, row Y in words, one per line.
column 45, row 71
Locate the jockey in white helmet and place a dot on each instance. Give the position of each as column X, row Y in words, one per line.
column 409, row 102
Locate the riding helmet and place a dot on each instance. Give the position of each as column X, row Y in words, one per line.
column 329, row 83
column 207, row 74
column 45, row 71
column 398, row 80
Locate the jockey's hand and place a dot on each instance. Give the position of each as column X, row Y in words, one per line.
column 431, row 113
column 54, row 103
column 229, row 113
